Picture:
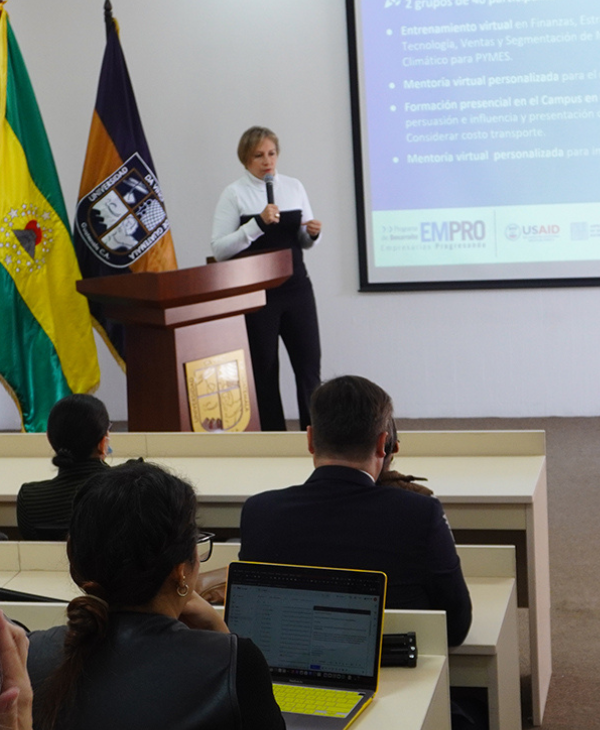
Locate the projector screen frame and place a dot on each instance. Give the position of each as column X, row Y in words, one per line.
column 365, row 284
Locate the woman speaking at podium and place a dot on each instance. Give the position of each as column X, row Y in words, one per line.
column 262, row 211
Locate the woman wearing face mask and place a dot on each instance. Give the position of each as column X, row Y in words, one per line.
column 78, row 431
column 245, row 223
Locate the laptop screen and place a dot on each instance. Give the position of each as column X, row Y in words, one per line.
column 319, row 625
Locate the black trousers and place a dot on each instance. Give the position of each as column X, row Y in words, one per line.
column 292, row 314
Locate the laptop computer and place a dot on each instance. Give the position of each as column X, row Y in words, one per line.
column 320, row 632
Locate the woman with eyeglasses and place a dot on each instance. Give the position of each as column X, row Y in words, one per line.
column 141, row 650
column 78, row 431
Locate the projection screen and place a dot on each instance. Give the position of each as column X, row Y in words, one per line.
column 477, row 142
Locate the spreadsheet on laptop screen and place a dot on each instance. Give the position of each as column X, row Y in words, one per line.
column 308, row 632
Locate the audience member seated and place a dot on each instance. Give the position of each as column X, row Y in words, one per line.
column 142, row 651
column 341, row 517
column 16, row 697
column 78, row 431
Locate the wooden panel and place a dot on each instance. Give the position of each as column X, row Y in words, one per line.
column 166, row 289
column 157, row 395
column 223, row 553
column 511, row 538
column 128, row 444
column 25, row 444
column 36, row 616
column 430, row 627
column 269, row 445
column 492, row 561
column 48, row 583
column 152, row 398
column 491, row 598
column 9, row 556
column 472, row 443
column 205, row 340
column 540, row 635
column 190, row 313
column 49, row 556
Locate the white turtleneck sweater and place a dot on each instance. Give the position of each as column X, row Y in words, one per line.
column 248, row 197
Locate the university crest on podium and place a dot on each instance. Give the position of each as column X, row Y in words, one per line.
column 218, row 392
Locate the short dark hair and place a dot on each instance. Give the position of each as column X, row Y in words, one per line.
column 250, row 140
column 347, row 415
column 76, row 425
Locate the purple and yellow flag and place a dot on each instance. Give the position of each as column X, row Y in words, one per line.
column 47, row 348
column 121, row 224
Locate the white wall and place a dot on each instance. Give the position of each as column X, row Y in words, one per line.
column 205, row 70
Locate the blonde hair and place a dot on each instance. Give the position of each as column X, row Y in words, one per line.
column 250, row 140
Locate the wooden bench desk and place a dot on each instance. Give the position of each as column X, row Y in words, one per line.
column 419, row 696
column 492, row 486
column 489, row 656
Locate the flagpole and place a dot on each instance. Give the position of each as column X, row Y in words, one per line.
column 108, row 17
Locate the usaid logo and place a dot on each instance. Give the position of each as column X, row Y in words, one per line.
column 452, row 231
column 545, row 232
column 551, row 230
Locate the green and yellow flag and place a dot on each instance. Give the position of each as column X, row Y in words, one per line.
column 47, row 348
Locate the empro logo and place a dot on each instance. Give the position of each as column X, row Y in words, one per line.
column 452, row 231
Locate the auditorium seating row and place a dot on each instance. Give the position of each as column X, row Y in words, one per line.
column 492, row 486
column 488, row 658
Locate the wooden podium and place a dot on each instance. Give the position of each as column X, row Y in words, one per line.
column 187, row 354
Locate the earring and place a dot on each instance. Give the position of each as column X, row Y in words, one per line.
column 183, row 591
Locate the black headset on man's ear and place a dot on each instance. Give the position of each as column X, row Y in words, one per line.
column 392, row 437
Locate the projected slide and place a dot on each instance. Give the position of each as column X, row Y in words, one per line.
column 480, row 141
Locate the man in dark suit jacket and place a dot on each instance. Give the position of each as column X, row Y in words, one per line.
column 341, row 517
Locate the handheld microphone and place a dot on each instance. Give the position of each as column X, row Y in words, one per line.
column 268, row 178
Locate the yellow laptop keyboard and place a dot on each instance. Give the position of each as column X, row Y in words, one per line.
column 315, row 700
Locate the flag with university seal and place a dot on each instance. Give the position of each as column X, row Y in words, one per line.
column 47, row 348
column 121, row 224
